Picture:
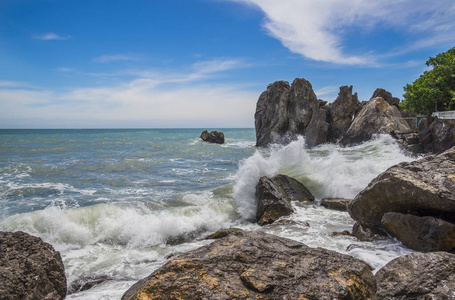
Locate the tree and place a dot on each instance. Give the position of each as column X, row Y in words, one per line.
column 434, row 89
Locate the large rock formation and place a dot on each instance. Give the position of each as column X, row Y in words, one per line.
column 342, row 112
column 425, row 187
column 285, row 111
column 418, row 276
column 215, row 137
column 274, row 196
column 256, row 265
column 377, row 116
column 30, row 268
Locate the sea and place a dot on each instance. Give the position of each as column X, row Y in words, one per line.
column 119, row 203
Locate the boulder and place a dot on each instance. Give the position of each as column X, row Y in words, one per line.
column 376, row 117
column 30, row 268
column 283, row 112
column 418, row 276
column 318, row 129
column 274, row 196
column 257, row 265
column 336, row 203
column 420, row 233
column 222, row 233
column 342, row 112
column 436, row 135
column 387, row 96
column 212, row 137
column 425, row 187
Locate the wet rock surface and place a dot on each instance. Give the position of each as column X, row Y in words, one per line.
column 30, row 268
column 274, row 196
column 418, row 276
column 215, row 137
column 423, row 188
column 340, row 204
column 256, row 265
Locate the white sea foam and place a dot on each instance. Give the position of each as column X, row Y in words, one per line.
column 327, row 170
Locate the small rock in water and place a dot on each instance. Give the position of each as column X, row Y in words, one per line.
column 336, row 203
column 212, row 137
column 222, row 233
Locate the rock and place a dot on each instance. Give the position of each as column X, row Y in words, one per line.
column 376, row 117
column 342, row 112
column 418, row 276
column 30, row 268
column 420, row 233
column 318, row 129
column 283, row 112
column 367, row 234
column 222, row 233
column 212, row 137
column 336, row 203
column 274, row 196
column 87, row 283
column 425, row 187
column 256, row 265
column 387, row 96
column 436, row 135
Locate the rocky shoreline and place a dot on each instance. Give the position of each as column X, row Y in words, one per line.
column 412, row 202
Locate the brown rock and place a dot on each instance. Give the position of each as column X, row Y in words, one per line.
column 336, row 203
column 418, row 276
column 212, row 137
column 420, row 233
column 256, row 265
column 30, row 268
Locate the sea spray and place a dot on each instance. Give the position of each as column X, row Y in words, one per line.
column 327, row 171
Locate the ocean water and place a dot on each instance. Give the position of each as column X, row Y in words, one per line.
column 118, row 204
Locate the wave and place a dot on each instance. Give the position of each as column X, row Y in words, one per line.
column 327, row 171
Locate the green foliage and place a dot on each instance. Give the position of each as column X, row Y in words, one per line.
column 434, row 89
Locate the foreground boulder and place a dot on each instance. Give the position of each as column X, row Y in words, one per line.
column 30, row 268
column 256, row 265
column 418, row 276
column 376, row 117
column 425, row 187
column 215, row 137
column 274, row 196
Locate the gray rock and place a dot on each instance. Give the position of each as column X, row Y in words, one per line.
column 274, row 196
column 387, row 96
column 418, row 276
column 256, row 265
column 283, row 112
column 318, row 129
column 436, row 135
column 215, row 137
column 376, row 117
column 342, row 112
column 420, row 233
column 30, row 268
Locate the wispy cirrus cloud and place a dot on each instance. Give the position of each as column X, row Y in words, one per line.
column 51, row 36
column 316, row 29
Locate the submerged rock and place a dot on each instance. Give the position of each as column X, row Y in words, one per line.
column 212, row 137
column 256, row 265
column 30, row 268
column 274, row 196
column 425, row 187
column 418, row 276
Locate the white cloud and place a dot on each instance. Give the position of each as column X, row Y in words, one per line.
column 154, row 100
column 315, row 29
column 116, row 57
column 51, row 36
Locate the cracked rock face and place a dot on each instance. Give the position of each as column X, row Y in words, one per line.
column 30, row 268
column 256, row 265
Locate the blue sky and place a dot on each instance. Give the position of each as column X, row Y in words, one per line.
column 202, row 63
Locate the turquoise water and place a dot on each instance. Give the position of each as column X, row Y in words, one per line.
column 118, row 203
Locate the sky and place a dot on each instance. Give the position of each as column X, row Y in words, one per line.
column 202, row 63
